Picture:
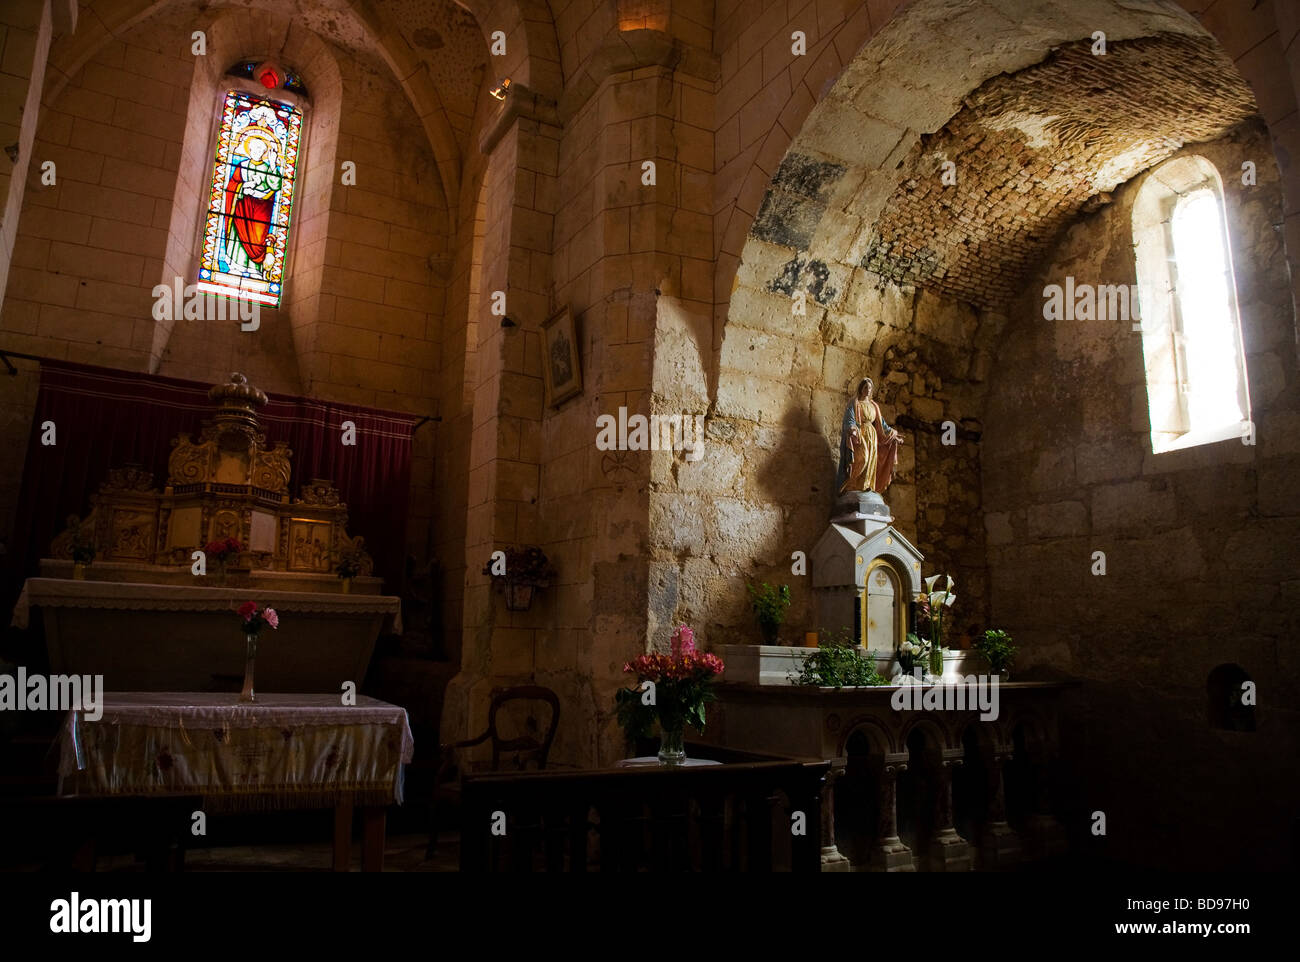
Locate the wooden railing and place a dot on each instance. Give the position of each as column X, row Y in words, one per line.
column 750, row 813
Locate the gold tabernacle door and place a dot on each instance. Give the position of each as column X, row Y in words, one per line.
column 227, row 484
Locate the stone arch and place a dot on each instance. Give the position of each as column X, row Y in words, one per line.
column 519, row 134
column 1032, row 731
column 972, row 787
column 867, row 748
column 785, row 363
column 908, row 575
column 230, row 39
column 107, row 20
column 882, row 740
column 1244, row 35
column 933, row 726
column 984, row 734
column 532, row 57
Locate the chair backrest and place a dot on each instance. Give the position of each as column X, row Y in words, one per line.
column 529, row 747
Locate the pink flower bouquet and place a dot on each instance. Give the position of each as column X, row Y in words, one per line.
column 255, row 617
column 683, row 685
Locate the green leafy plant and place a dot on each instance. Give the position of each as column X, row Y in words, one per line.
column 770, row 603
column 997, row 649
column 837, row 663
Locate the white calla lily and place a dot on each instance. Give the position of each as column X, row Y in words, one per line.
column 929, row 582
column 951, row 598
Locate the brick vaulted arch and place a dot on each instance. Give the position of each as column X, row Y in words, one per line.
column 998, row 35
column 837, row 168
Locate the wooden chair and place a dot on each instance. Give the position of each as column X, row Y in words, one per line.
column 525, row 749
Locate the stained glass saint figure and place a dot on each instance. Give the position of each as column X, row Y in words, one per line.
column 247, row 229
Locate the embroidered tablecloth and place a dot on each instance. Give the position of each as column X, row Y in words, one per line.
column 283, row 751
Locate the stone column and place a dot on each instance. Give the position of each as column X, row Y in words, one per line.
column 999, row 843
column 832, row 859
column 949, row 852
column 891, row 854
column 500, row 648
column 1044, row 835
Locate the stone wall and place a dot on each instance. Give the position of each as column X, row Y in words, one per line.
column 1200, row 545
column 775, row 170
column 616, row 249
column 766, row 483
column 363, row 318
column 840, row 274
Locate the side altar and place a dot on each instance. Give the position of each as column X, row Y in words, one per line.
column 152, row 611
column 936, row 774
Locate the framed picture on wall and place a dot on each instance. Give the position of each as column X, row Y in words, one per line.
column 560, row 363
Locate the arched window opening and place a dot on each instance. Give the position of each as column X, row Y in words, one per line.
column 246, row 228
column 283, row 78
column 1197, row 391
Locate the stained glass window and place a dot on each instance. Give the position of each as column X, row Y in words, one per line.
column 245, row 238
column 248, row 68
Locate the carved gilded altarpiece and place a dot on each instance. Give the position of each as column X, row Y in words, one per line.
column 229, row 482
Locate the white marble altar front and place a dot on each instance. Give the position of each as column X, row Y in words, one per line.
column 781, row 664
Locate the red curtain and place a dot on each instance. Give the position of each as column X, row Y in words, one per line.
column 104, row 419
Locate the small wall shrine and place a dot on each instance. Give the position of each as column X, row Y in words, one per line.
column 865, row 574
column 229, row 483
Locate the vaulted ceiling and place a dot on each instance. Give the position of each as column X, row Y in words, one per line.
column 433, row 48
column 1032, row 127
column 1033, row 150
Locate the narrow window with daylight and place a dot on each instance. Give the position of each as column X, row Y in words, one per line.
column 1197, row 390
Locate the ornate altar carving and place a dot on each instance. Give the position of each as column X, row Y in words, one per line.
column 228, row 483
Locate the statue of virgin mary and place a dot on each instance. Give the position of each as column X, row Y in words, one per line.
column 868, row 446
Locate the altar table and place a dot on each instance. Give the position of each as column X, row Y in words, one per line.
column 280, row 752
column 164, row 637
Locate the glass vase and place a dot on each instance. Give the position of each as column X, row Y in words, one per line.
column 672, row 750
column 250, row 654
column 936, row 662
